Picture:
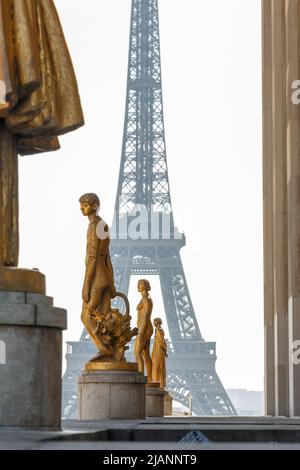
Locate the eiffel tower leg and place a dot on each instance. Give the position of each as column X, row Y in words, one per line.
column 179, row 310
column 203, row 384
column 197, row 375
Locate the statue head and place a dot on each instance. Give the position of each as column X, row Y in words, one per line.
column 144, row 285
column 89, row 204
column 157, row 322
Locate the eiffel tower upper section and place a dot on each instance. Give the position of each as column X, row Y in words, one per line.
column 143, row 188
column 143, row 178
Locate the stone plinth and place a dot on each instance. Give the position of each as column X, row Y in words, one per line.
column 30, row 360
column 154, row 400
column 104, row 394
column 168, row 403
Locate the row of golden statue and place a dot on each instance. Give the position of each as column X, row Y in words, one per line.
column 109, row 329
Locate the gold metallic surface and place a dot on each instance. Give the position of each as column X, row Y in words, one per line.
column 113, row 366
column 159, row 354
column 40, row 81
column 39, row 100
column 142, row 342
column 9, row 205
column 108, row 328
column 22, row 280
column 4, row 78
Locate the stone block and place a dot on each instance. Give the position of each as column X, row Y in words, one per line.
column 17, row 314
column 52, row 317
column 154, row 402
column 39, row 299
column 12, row 297
column 168, row 404
column 111, row 395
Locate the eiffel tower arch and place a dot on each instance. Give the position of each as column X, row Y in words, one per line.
column 153, row 247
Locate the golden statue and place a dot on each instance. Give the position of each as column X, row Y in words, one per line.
column 39, row 100
column 107, row 327
column 159, row 354
column 145, row 328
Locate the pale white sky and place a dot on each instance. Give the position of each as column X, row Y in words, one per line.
column 211, row 63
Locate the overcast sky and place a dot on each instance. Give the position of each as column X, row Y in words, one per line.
column 211, row 64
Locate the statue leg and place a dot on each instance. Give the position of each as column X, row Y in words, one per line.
column 91, row 324
column 9, row 204
column 163, row 377
column 104, row 307
column 148, row 361
column 138, row 347
column 155, row 370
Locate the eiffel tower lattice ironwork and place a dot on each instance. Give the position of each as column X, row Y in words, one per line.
column 143, row 194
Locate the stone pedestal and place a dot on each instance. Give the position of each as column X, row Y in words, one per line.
column 168, row 401
column 111, row 394
column 154, row 400
column 30, row 362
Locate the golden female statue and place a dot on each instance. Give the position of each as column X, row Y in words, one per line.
column 159, row 355
column 142, row 342
column 39, row 100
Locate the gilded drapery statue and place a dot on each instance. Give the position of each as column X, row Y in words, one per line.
column 159, row 354
column 142, row 341
column 39, row 100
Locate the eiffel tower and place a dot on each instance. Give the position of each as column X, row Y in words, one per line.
column 143, row 202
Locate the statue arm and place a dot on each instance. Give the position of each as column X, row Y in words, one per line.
column 104, row 243
column 104, row 251
column 165, row 348
column 163, row 343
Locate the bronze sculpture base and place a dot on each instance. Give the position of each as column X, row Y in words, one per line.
column 111, row 366
column 22, row 280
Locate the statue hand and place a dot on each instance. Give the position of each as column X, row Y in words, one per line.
column 135, row 331
column 85, row 294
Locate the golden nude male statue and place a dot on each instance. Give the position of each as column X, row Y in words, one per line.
column 39, row 101
column 159, row 354
column 107, row 327
column 142, row 341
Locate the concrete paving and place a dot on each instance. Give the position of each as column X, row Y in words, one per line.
column 159, row 434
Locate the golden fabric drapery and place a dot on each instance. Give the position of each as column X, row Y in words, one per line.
column 41, row 94
column 41, row 85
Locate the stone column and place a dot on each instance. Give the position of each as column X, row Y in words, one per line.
column 281, row 166
column 279, row 208
column 268, row 209
column 293, row 195
column 31, row 359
